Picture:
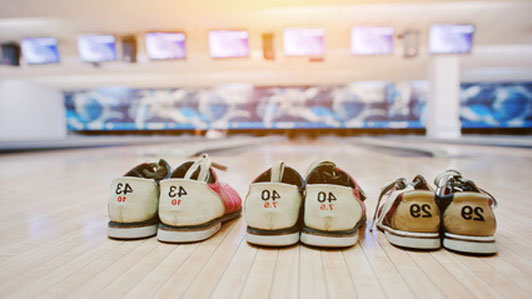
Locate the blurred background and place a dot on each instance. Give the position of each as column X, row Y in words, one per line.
column 436, row 68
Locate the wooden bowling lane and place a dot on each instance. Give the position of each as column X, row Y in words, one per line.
column 54, row 244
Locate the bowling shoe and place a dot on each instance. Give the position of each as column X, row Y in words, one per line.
column 409, row 215
column 467, row 210
column 273, row 207
column 333, row 207
column 133, row 201
column 193, row 202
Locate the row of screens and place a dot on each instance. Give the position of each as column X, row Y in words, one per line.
column 443, row 39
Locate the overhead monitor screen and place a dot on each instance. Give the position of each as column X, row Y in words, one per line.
column 165, row 45
column 97, row 48
column 372, row 40
column 451, row 39
column 228, row 43
column 304, row 41
column 40, row 50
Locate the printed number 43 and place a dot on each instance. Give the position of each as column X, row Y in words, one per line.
column 126, row 189
column 180, row 192
column 122, row 189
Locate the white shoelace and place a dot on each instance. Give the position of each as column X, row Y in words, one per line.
column 454, row 180
column 401, row 183
column 204, row 164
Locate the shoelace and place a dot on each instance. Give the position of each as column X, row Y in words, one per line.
column 204, row 164
column 318, row 163
column 150, row 174
column 454, row 180
column 329, row 177
column 158, row 170
column 400, row 183
column 332, row 177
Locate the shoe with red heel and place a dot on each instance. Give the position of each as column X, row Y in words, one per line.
column 193, row 203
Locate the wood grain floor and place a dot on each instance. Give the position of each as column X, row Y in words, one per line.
column 53, row 231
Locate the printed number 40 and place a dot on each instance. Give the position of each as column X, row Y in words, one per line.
column 322, row 197
column 267, row 195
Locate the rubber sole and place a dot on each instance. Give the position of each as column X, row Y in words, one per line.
column 195, row 233
column 470, row 244
column 273, row 240
column 416, row 240
column 348, row 238
column 128, row 233
column 329, row 240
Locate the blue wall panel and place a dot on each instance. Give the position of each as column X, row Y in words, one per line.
column 372, row 104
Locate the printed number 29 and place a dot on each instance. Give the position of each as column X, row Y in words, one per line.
column 467, row 213
column 415, row 211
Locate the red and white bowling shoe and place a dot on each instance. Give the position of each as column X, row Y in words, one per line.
column 193, row 203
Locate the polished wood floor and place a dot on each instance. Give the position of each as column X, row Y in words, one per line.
column 53, row 230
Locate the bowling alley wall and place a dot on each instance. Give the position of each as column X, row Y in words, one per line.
column 369, row 104
column 107, row 66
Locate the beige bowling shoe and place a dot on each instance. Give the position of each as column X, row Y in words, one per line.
column 409, row 215
column 468, row 221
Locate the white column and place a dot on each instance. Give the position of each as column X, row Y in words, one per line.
column 443, row 107
column 31, row 112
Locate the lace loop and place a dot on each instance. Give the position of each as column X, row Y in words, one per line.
column 277, row 172
column 203, row 164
